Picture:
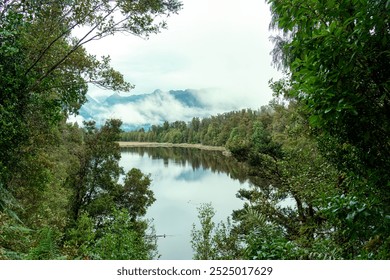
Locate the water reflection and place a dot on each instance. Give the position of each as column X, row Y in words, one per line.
column 182, row 180
column 215, row 161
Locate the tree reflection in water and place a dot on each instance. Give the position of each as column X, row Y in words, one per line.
column 183, row 179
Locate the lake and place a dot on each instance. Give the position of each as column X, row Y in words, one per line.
column 183, row 179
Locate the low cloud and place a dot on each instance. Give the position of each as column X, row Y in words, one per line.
column 156, row 108
column 225, row 46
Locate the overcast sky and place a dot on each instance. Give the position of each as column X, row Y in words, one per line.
column 221, row 45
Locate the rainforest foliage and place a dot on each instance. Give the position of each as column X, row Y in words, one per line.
column 298, row 206
column 331, row 155
column 213, row 131
column 60, row 195
column 317, row 157
column 319, row 164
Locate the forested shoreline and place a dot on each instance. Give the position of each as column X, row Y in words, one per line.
column 60, row 195
column 327, row 148
column 323, row 142
column 127, row 144
column 282, row 159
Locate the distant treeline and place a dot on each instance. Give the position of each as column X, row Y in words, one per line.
column 297, row 187
column 220, row 130
column 319, row 164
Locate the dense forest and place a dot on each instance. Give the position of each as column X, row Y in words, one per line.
column 60, row 193
column 323, row 143
column 213, row 131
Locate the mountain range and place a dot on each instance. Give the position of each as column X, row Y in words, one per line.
column 144, row 110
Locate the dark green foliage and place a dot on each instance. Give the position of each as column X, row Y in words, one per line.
column 338, row 60
column 80, row 200
column 284, row 214
column 80, row 238
column 213, row 131
column 15, row 239
column 99, row 230
column 52, row 173
column 8, row 203
column 136, row 195
column 227, row 241
column 121, row 240
column 202, row 239
column 319, row 164
column 95, row 182
column 46, row 249
column 212, row 242
column 119, row 237
column 266, row 241
column 45, row 71
column 13, row 102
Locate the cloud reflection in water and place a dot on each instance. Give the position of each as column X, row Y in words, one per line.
column 180, row 186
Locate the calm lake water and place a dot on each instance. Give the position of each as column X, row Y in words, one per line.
column 183, row 179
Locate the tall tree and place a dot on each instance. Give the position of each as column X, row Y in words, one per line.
column 44, row 76
column 337, row 56
column 202, row 239
column 45, row 71
column 95, row 183
column 136, row 195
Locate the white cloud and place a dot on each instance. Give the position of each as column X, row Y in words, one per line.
column 158, row 107
column 220, row 44
column 155, row 108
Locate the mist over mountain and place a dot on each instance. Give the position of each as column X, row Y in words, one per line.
column 144, row 110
